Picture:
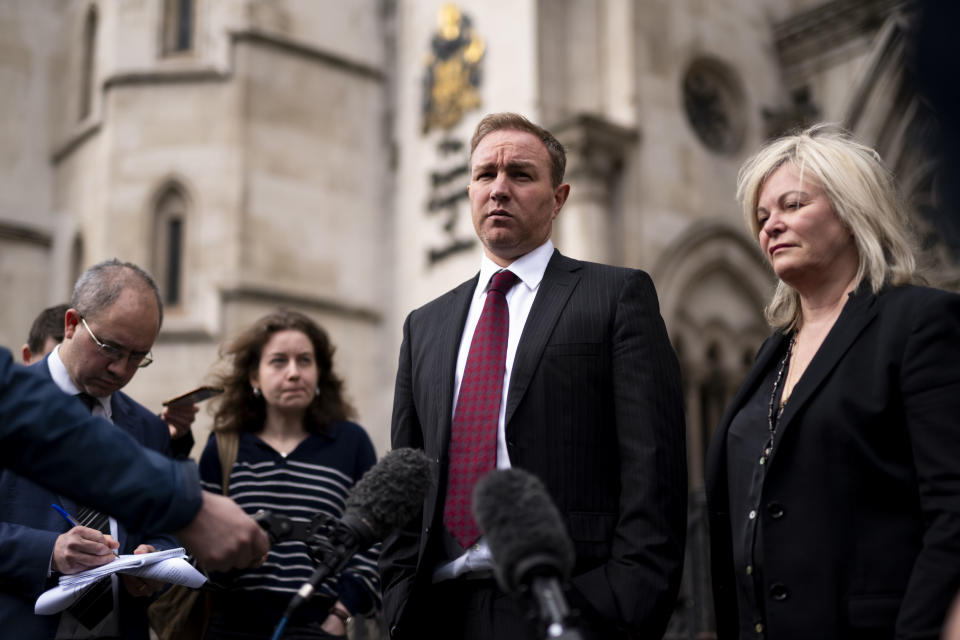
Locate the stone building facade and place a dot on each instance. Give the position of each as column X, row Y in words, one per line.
column 312, row 153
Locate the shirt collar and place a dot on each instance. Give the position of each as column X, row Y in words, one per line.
column 61, row 377
column 529, row 267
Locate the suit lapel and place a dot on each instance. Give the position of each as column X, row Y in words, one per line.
column 559, row 281
column 859, row 311
column 120, row 414
column 449, row 331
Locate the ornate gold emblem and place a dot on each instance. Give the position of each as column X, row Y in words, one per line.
column 452, row 81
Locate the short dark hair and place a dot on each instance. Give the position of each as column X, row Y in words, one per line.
column 48, row 324
column 508, row 121
column 100, row 286
column 237, row 409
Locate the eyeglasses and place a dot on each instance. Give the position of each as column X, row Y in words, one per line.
column 114, row 354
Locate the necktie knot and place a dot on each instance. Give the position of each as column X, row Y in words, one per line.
column 503, row 281
column 88, row 400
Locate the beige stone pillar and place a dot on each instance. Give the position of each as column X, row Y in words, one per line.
column 596, row 149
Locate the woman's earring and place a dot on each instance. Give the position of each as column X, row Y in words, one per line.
column 256, row 392
column 318, row 392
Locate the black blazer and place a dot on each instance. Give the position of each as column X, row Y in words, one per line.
column 594, row 409
column 860, row 506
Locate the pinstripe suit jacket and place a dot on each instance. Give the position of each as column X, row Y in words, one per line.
column 594, row 409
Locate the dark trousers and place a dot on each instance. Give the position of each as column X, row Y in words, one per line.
column 463, row 609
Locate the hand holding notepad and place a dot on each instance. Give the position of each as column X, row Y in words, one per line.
column 166, row 566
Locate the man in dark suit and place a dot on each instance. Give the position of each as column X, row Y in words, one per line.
column 114, row 318
column 583, row 391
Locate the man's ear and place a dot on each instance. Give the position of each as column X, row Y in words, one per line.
column 25, row 354
column 71, row 320
column 560, row 195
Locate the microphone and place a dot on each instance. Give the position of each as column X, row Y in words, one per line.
column 528, row 540
column 387, row 495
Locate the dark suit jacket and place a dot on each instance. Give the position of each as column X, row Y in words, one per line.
column 860, row 507
column 29, row 528
column 594, row 409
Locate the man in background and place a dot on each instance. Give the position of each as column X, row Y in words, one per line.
column 109, row 329
column 46, row 332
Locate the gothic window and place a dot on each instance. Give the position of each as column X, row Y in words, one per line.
column 87, row 62
column 714, row 103
column 712, row 395
column 170, row 219
column 177, row 26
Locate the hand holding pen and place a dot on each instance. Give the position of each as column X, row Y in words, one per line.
column 81, row 548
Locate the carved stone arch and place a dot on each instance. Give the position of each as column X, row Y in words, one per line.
column 704, row 247
column 713, row 284
column 169, row 208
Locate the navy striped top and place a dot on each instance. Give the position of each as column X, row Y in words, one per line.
column 314, row 477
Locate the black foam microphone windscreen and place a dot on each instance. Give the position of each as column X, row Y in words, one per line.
column 522, row 526
column 387, row 495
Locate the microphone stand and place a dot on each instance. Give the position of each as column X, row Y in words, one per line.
column 553, row 608
column 331, row 544
column 330, row 553
column 536, row 576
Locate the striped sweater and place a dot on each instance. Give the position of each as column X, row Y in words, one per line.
column 314, row 477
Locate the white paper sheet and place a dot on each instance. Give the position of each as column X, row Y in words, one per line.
column 173, row 570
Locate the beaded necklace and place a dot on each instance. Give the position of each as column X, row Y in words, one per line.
column 774, row 413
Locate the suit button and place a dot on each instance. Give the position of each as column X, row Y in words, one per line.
column 775, row 509
column 778, row 592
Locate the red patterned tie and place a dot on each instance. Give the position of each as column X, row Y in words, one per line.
column 473, row 438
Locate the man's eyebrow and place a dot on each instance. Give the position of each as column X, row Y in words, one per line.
column 483, row 165
column 513, row 164
column 521, row 164
column 122, row 347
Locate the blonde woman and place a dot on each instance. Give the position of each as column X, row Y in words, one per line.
column 833, row 478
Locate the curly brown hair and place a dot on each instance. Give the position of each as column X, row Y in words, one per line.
column 237, row 409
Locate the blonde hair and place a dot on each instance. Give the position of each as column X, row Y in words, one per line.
column 863, row 195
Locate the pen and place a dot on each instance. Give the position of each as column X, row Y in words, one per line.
column 69, row 518
column 66, row 516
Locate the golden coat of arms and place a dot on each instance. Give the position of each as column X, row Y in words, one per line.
column 453, row 73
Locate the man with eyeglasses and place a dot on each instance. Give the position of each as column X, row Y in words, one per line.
column 114, row 317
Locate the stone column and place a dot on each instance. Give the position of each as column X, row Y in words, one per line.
column 596, row 149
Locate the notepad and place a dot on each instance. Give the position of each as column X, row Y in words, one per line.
column 166, row 566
